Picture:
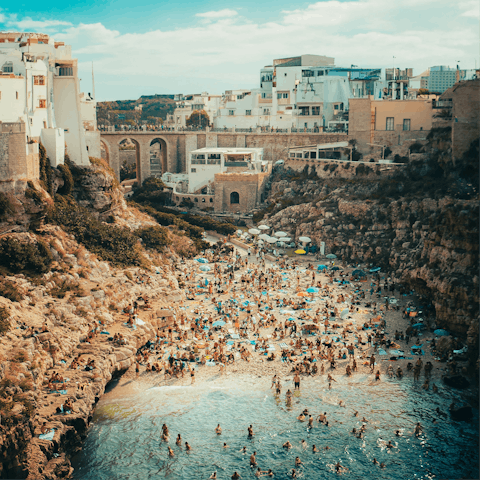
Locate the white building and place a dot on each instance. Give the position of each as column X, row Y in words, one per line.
column 442, row 78
column 39, row 86
column 187, row 104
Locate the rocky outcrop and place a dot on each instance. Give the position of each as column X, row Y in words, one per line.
column 420, row 225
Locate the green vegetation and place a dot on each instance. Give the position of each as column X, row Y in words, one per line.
column 128, row 171
column 4, row 320
column 33, row 193
column 46, row 171
column 198, row 118
column 5, row 206
column 155, row 238
column 117, row 245
column 9, row 289
column 19, row 256
column 62, row 287
column 68, row 181
column 152, row 191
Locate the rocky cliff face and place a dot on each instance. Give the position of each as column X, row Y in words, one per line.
column 421, row 225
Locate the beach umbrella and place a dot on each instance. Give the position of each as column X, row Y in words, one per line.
column 344, row 313
column 331, row 256
column 300, row 252
column 205, row 268
column 260, row 242
column 302, row 294
column 418, row 325
column 321, row 267
column 312, row 290
column 334, row 268
column 263, row 227
column 359, row 273
column 239, row 231
column 218, row 323
column 202, row 260
column 376, row 269
column 272, row 240
column 264, row 236
column 305, row 239
column 441, row 333
column 281, row 234
column 286, row 239
column 254, row 231
column 281, row 244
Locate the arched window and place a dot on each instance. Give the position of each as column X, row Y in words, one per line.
column 234, row 197
column 211, row 200
column 196, row 200
column 203, row 200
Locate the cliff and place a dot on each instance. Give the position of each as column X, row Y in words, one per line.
column 419, row 222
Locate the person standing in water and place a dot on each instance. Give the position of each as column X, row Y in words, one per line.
column 296, row 380
column 218, row 429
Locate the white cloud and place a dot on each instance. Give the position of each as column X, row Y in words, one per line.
column 34, row 25
column 228, row 51
column 226, row 12
column 471, row 8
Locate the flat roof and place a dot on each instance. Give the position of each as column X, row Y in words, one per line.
column 227, row 150
column 321, row 146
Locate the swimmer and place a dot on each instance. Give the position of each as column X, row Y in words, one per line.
column 355, row 413
column 253, row 460
column 289, row 395
column 259, row 472
column 390, row 444
column 213, row 476
column 341, row 403
column 418, row 429
column 375, row 461
column 269, row 473
column 314, row 449
column 322, row 418
column 326, row 448
column 397, row 433
column 364, row 420
column 354, row 431
column 244, row 450
column 287, row 445
column 218, row 429
column 434, row 388
column 250, row 431
column 187, row 446
column 304, row 444
column 301, row 417
column 235, row 476
column 339, row 467
column 298, row 462
column 310, row 421
column 170, row 452
column 179, row 440
column 294, row 474
column 382, row 465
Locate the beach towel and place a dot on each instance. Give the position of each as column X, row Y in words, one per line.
column 210, row 364
column 381, row 351
column 105, row 333
column 283, row 345
column 47, row 436
column 397, row 352
column 271, row 347
column 253, row 342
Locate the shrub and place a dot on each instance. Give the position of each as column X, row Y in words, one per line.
column 387, row 152
column 46, row 171
column 152, row 190
column 416, row 147
column 9, row 289
column 20, row 356
column 154, row 237
column 67, row 180
column 111, row 243
column 20, row 256
column 5, row 206
column 62, row 287
column 4, row 320
column 33, row 193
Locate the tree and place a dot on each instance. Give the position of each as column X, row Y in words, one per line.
column 198, row 118
column 423, row 91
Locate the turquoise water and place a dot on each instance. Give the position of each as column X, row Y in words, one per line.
column 124, row 439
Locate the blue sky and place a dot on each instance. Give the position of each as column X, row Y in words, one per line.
column 146, row 47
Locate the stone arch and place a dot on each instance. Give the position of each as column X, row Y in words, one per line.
column 234, row 198
column 105, row 147
column 163, row 160
column 138, row 163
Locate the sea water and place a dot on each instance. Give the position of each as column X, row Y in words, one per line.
column 124, row 440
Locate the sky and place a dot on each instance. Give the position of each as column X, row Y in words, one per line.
column 143, row 47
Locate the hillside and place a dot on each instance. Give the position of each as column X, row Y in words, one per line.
column 154, row 109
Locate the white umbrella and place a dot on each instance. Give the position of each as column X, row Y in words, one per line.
column 305, row 239
column 344, row 313
column 254, row 231
column 281, row 244
column 260, row 242
column 286, row 239
column 264, row 236
column 239, row 232
column 272, row 240
column 263, row 227
column 281, row 234
column 331, row 256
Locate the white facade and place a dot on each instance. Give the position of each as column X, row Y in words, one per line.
column 204, row 163
column 39, row 85
column 187, row 104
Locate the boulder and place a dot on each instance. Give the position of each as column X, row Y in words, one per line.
column 456, row 381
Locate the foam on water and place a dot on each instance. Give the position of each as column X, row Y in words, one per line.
column 124, row 440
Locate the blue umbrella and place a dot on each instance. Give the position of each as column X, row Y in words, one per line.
column 360, row 273
column 321, row 267
column 334, row 268
column 218, row 323
column 205, row 268
column 312, row 290
column 418, row 325
column 441, row 333
column 202, row 260
column 376, row 269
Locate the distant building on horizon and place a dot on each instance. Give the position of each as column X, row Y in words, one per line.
column 442, row 78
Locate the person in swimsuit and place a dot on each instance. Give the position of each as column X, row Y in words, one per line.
column 179, row 440
column 253, row 460
column 218, row 429
column 250, row 431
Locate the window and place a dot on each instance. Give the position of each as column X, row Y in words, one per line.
column 389, row 125
column 306, row 154
column 193, row 170
column 282, row 95
column 231, row 112
column 38, row 80
column 7, row 67
column 313, row 154
column 307, row 73
column 248, row 112
column 266, row 111
column 315, row 110
column 65, row 72
column 304, row 110
column 406, row 124
column 234, row 198
column 42, row 104
column 239, row 97
column 319, row 73
column 211, row 200
column 292, row 155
